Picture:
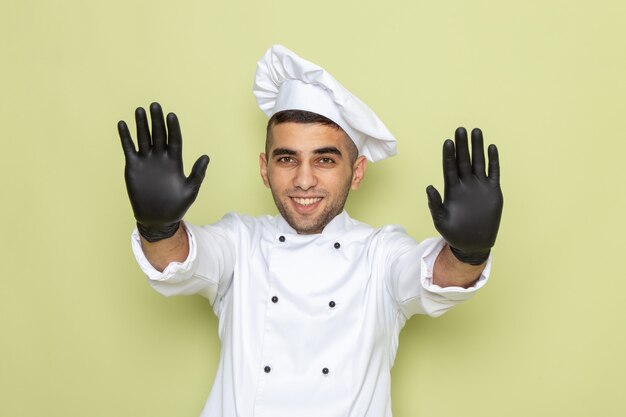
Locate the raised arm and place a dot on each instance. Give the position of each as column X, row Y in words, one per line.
column 469, row 216
column 159, row 192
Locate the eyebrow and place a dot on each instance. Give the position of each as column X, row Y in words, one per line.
column 283, row 151
column 320, row 151
column 328, row 149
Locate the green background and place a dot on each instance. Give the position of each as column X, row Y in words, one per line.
column 81, row 332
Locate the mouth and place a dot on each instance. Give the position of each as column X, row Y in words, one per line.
column 306, row 201
column 306, row 205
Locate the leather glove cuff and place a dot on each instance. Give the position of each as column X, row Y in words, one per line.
column 473, row 258
column 154, row 234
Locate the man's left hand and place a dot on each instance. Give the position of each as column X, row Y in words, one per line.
column 469, row 216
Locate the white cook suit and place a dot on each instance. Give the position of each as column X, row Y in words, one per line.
column 308, row 324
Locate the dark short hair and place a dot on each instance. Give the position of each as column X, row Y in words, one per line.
column 304, row 117
column 300, row 116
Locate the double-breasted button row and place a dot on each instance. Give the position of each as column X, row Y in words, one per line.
column 282, row 238
column 331, row 304
column 267, row 370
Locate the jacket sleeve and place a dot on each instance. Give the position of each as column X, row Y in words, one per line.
column 409, row 276
column 208, row 269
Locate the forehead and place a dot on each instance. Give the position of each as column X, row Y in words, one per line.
column 305, row 137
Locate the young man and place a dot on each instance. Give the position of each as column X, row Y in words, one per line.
column 310, row 302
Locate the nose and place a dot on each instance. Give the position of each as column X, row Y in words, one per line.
column 305, row 177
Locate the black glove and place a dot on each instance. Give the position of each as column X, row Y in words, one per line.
column 159, row 192
column 469, row 217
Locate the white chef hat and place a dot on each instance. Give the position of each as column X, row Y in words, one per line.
column 284, row 81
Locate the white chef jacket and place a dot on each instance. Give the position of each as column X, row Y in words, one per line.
column 308, row 324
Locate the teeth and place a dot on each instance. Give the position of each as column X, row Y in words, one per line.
column 306, row 201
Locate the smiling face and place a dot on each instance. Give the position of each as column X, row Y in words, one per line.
column 310, row 172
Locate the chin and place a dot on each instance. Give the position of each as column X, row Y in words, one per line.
column 306, row 227
column 311, row 223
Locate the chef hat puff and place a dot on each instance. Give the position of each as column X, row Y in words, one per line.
column 284, row 81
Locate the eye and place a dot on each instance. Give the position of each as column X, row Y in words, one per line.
column 285, row 160
column 326, row 160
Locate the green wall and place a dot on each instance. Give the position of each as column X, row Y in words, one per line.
column 81, row 332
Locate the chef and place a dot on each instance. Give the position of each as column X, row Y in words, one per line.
column 310, row 302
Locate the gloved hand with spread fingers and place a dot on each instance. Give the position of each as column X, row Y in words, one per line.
column 159, row 192
column 469, row 216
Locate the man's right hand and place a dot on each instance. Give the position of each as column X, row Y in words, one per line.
column 159, row 192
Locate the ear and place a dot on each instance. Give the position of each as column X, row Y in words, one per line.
column 263, row 167
column 358, row 172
